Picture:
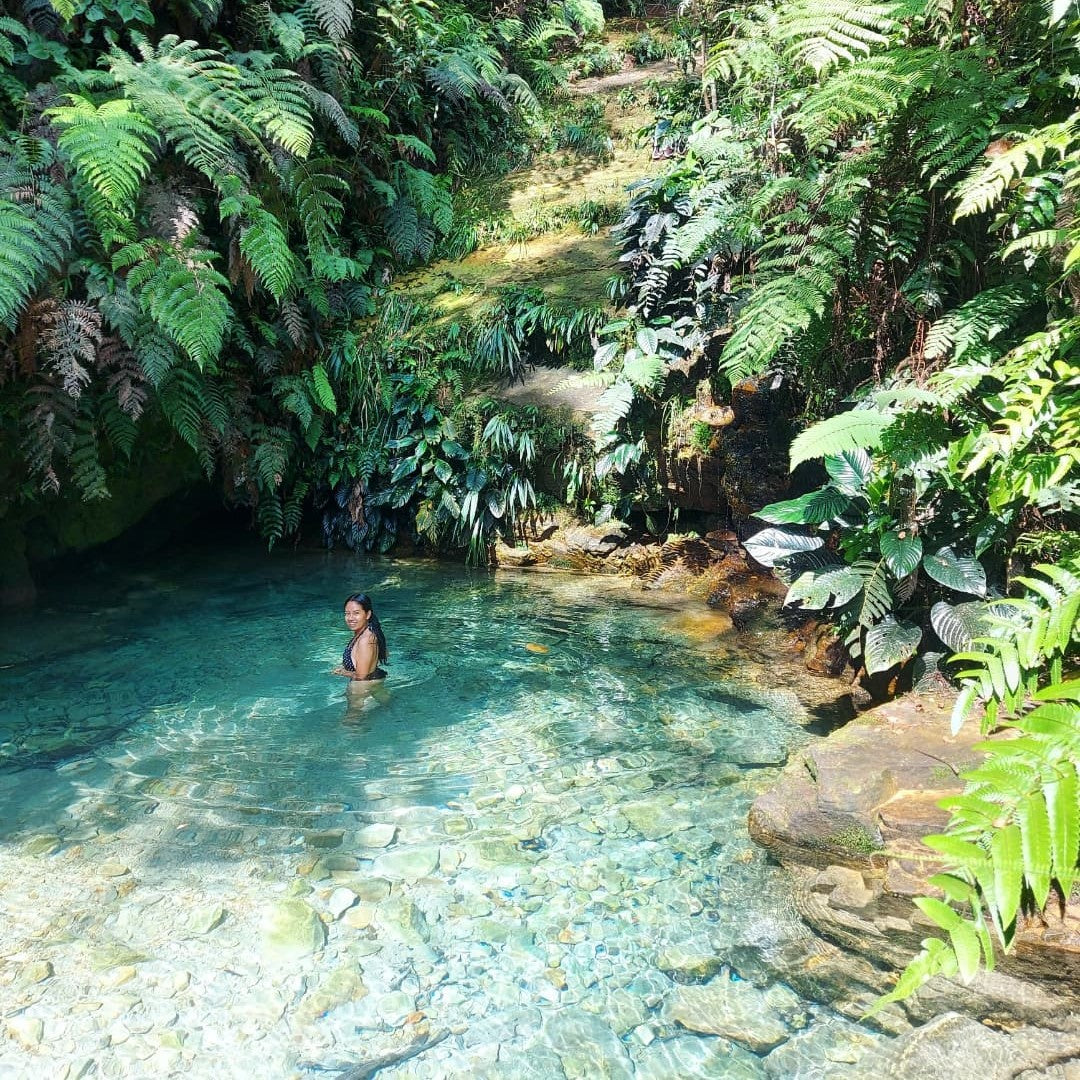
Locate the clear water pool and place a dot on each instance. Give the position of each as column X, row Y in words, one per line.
column 525, row 855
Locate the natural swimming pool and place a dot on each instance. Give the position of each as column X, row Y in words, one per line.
column 511, row 861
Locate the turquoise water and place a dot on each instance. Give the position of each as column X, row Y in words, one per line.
column 522, row 855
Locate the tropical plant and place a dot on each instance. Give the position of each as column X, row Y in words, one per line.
column 1013, row 841
column 188, row 230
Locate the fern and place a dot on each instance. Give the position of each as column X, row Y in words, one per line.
column 334, row 17
column 69, row 339
column 1015, row 830
column 857, row 429
column 981, row 319
column 822, row 35
column 182, row 292
column 36, row 230
column 265, row 245
column 111, row 147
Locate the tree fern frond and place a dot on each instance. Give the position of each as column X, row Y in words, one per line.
column 180, row 289
column 775, row 313
column 265, row 245
column 822, row 33
column 334, row 17
column 111, row 147
column 68, row 341
column 985, row 185
column 979, row 320
column 279, row 107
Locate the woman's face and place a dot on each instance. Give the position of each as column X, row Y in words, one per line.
column 356, row 618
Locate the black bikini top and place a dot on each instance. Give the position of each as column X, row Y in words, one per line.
column 346, row 658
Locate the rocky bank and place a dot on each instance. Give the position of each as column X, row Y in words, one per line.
column 846, row 819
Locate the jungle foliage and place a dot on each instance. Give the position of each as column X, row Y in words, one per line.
column 197, row 204
column 877, row 206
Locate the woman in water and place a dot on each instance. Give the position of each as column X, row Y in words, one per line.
column 360, row 661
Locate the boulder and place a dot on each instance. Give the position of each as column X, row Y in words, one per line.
column 847, row 818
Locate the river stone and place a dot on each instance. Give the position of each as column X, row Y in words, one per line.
column 655, row 818
column 587, row 1047
column 340, row 901
column 42, row 845
column 114, row 869
column 370, row 890
column 399, row 919
column 961, row 1048
column 205, row 919
column 735, row 1010
column 114, row 954
column 832, row 1039
column 291, row 929
column 359, row 916
column 379, row 835
column 688, row 965
column 28, row 1031
column 689, row 1055
column 395, row 1007
column 343, row 984
column 325, row 840
column 411, row 863
column 35, row 972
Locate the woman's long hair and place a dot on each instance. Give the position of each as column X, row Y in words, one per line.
column 364, row 601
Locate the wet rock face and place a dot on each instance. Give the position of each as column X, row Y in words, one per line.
column 847, row 818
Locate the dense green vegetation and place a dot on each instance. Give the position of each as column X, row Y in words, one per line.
column 200, row 204
column 201, row 208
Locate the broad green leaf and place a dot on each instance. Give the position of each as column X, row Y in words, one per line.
column 769, row 545
column 938, row 912
column 402, row 469
column 1005, row 851
column 890, row 643
column 1060, row 691
column 965, row 699
column 901, row 551
column 647, row 341
column 1034, row 823
column 849, row 471
column 958, row 624
column 810, row 509
column 960, row 852
column 831, row 588
column 965, row 943
column 857, row 429
column 956, row 572
column 443, row 471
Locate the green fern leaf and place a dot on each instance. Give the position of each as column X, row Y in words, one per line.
column 1063, row 807
column 323, row 391
column 265, row 245
column 111, row 147
column 857, row 429
column 1034, row 821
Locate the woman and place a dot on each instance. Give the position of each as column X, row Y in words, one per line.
column 360, row 661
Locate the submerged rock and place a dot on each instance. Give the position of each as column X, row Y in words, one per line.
column 410, row 863
column 690, row 1055
column 291, row 930
column 736, row 1010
